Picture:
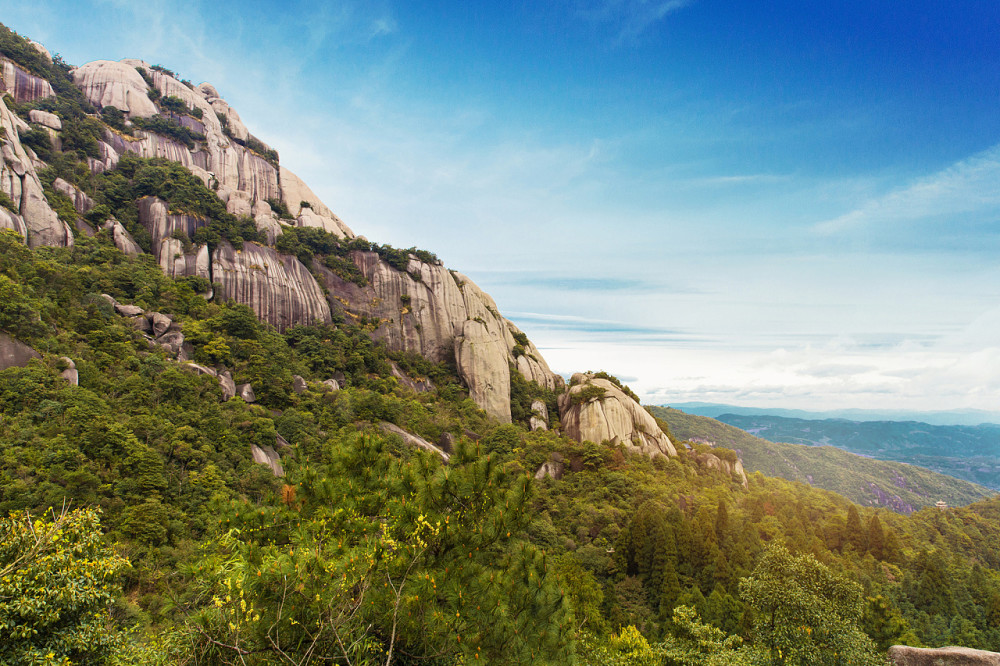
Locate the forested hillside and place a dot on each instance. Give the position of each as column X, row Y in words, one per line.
column 966, row 452
column 184, row 481
column 866, row 481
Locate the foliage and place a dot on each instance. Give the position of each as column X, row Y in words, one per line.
column 586, row 394
column 57, row 581
column 861, row 479
column 185, row 193
column 804, row 613
column 169, row 128
column 614, row 380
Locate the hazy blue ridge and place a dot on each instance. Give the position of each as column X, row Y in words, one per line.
column 863, row 479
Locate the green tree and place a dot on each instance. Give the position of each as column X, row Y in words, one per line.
column 57, row 580
column 804, row 613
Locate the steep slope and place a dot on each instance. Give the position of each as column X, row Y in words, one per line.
column 897, row 486
column 130, row 107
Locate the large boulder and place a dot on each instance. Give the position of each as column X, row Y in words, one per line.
column 107, row 83
column 596, row 410
column 903, row 655
column 413, row 440
column 14, row 353
column 266, row 455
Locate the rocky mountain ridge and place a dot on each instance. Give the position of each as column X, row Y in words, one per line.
column 414, row 305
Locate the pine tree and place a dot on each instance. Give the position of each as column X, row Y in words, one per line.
column 854, row 534
column 876, row 538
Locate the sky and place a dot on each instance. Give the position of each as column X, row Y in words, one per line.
column 783, row 204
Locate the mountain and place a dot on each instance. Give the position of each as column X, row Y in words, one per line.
column 901, row 487
column 967, row 417
column 964, row 452
column 236, row 431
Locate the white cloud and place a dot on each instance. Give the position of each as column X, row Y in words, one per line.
column 969, row 186
column 631, row 17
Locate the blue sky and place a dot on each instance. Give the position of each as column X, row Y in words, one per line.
column 789, row 204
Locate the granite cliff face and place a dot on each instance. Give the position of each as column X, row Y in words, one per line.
column 424, row 308
column 32, row 217
column 438, row 314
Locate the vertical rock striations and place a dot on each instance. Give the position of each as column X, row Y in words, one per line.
column 32, row 216
column 277, row 286
column 21, row 85
column 441, row 314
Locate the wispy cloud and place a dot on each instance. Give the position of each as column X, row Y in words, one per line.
column 631, row 17
column 971, row 186
column 623, row 331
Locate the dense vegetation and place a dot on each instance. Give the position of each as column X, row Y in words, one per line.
column 863, row 480
column 966, row 452
column 135, row 526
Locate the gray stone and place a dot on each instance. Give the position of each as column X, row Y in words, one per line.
column 276, row 286
column 128, row 310
column 332, row 385
column 122, row 238
column 245, row 391
column 81, row 202
column 14, row 353
column 902, row 655
column 266, row 455
column 172, row 341
column 143, row 325
column 70, row 374
column 160, row 323
column 281, row 442
column 200, row 369
column 446, row 442
column 551, row 469
column 539, row 416
column 413, row 440
column 228, row 385
column 45, row 119
column 418, row 385
column 299, row 384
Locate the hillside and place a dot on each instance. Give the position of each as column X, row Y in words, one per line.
column 237, row 432
column 866, row 481
column 965, row 452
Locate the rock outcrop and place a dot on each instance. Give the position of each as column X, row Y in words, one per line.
column 902, row 655
column 266, row 455
column 735, row 470
column 122, row 238
column 424, row 309
column 412, row 440
column 539, row 416
column 70, row 373
column 45, row 119
column 14, row 353
column 21, row 85
column 596, row 410
column 441, row 314
column 34, row 219
column 277, row 286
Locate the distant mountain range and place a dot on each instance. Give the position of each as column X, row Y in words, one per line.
column 864, row 480
column 965, row 452
column 966, row 417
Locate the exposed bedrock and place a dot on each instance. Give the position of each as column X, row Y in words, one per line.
column 596, row 410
